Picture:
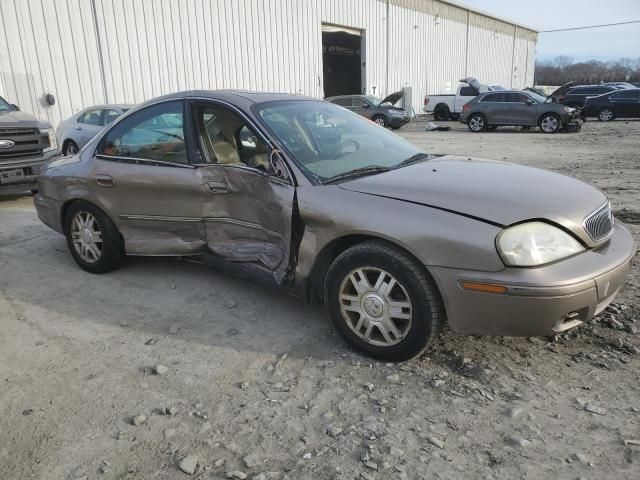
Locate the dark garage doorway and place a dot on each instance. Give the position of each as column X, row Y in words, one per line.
column 342, row 65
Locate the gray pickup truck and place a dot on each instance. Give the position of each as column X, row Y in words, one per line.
column 26, row 144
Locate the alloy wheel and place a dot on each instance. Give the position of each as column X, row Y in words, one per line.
column 605, row 114
column 375, row 306
column 549, row 124
column 380, row 121
column 86, row 236
column 476, row 123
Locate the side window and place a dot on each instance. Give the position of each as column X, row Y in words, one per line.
column 109, row 116
column 468, row 92
column 494, row 97
column 626, row 95
column 91, row 117
column 225, row 139
column 343, row 102
column 155, row 133
column 360, row 102
column 600, row 91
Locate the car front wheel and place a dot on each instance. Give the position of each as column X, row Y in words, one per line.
column 70, row 148
column 93, row 240
column 380, row 120
column 477, row 123
column 382, row 301
column 605, row 114
column 550, row 123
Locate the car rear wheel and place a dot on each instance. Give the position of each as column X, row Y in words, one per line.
column 92, row 238
column 605, row 114
column 477, row 123
column 550, row 123
column 70, row 148
column 380, row 120
column 382, row 301
column 442, row 113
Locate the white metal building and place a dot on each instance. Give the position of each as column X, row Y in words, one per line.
column 87, row 52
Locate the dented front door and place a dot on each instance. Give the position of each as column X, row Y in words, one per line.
column 247, row 216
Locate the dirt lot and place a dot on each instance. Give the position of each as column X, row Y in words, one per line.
column 259, row 384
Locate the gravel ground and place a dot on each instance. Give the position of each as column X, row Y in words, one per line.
column 165, row 365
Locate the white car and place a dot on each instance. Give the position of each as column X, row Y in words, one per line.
column 76, row 131
column 449, row 106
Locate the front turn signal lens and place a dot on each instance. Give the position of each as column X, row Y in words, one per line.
column 483, row 287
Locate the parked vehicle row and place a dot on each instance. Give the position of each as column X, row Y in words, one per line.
column 449, row 106
column 260, row 183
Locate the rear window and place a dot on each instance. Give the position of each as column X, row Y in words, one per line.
column 468, row 92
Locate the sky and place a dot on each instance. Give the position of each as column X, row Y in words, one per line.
column 609, row 43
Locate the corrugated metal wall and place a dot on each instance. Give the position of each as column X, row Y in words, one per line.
column 87, row 52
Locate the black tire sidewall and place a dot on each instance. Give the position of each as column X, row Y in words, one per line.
column 112, row 249
column 426, row 304
column 66, row 146
column 441, row 114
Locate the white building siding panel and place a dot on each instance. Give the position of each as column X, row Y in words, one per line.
column 134, row 50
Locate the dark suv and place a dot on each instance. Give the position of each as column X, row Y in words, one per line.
column 26, row 144
column 577, row 94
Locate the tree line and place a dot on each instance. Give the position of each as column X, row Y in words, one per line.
column 563, row 69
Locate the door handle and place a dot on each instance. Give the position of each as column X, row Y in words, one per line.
column 216, row 187
column 104, row 180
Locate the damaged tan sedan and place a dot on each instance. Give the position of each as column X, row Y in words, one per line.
column 395, row 242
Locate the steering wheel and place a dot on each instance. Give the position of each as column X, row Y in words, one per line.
column 346, row 143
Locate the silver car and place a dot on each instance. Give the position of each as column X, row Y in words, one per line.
column 74, row 132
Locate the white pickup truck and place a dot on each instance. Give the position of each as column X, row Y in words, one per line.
column 449, row 107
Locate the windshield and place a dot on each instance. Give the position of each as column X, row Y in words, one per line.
column 328, row 141
column 537, row 97
column 374, row 100
column 4, row 106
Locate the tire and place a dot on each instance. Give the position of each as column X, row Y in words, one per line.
column 477, row 123
column 441, row 113
column 606, row 114
column 550, row 123
column 106, row 254
column 414, row 293
column 70, row 148
column 380, row 120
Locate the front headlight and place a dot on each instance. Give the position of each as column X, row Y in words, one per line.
column 53, row 141
column 569, row 109
column 535, row 243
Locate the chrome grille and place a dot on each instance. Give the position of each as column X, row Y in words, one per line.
column 28, row 142
column 600, row 223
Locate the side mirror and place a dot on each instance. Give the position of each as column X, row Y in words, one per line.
column 16, row 107
column 366, row 105
column 276, row 163
column 530, row 102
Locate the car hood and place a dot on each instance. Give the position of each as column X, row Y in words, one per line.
column 393, row 98
column 561, row 91
column 20, row 119
column 492, row 191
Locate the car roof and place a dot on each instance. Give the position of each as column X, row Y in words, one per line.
column 233, row 96
column 110, row 105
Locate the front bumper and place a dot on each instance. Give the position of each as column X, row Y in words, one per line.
column 539, row 301
column 398, row 121
column 30, row 168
